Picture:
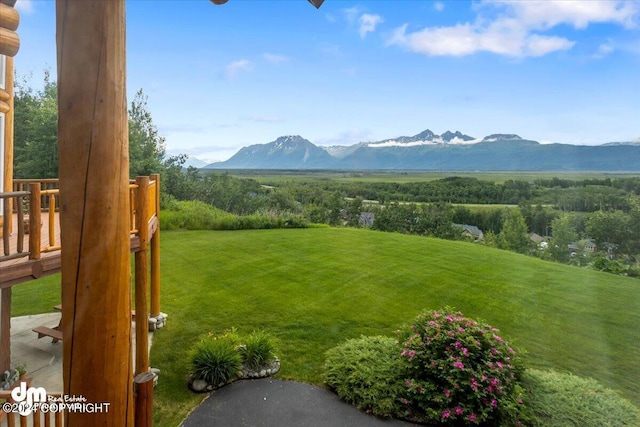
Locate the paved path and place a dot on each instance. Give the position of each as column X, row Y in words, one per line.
column 276, row 403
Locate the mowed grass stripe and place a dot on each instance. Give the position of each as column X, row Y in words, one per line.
column 314, row 288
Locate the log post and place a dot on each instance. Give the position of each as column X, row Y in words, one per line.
column 9, row 46
column 144, row 398
column 34, row 221
column 94, row 209
column 8, row 131
column 142, row 275
column 5, row 329
column 155, row 255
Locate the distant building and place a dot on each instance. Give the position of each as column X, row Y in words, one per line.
column 588, row 246
column 471, row 232
column 541, row 242
column 366, row 219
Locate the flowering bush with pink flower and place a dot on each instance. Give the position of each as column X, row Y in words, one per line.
column 459, row 372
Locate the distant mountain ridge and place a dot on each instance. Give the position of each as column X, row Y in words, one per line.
column 429, row 151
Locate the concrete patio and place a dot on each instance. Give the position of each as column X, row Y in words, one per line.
column 43, row 359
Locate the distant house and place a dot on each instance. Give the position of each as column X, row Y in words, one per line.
column 471, row 232
column 366, row 219
column 536, row 238
column 541, row 242
column 588, row 246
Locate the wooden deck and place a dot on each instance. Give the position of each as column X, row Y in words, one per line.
column 17, row 264
column 22, row 269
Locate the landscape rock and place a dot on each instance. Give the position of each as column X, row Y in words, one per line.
column 199, row 385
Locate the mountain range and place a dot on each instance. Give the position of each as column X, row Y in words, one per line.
column 429, row 151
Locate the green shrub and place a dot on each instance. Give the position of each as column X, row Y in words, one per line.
column 196, row 215
column 459, row 372
column 257, row 350
column 191, row 215
column 366, row 372
column 216, row 360
column 558, row 400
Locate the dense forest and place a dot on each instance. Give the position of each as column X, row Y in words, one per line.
column 568, row 215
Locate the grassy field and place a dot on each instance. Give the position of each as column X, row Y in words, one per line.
column 274, row 177
column 314, row 288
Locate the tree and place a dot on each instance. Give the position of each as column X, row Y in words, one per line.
column 146, row 146
column 36, row 130
column 513, row 235
column 36, row 133
column 564, row 233
column 611, row 227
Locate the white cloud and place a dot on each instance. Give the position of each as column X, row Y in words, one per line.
column 332, row 50
column 232, row 69
column 261, row 118
column 274, row 59
column 368, row 23
column 579, row 14
column 517, row 28
column 25, row 6
column 536, row 45
column 438, row 6
column 346, row 137
column 351, row 14
column 604, row 50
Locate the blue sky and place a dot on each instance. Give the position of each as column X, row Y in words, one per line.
column 222, row 77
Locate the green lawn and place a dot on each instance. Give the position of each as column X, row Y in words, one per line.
column 314, row 288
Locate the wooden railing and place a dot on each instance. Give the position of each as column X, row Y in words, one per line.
column 34, row 204
column 36, row 418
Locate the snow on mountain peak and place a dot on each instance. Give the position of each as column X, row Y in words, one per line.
column 501, row 137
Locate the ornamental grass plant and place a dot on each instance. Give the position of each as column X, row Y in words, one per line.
column 215, row 360
column 257, row 350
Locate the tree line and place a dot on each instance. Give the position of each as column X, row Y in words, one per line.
column 570, row 211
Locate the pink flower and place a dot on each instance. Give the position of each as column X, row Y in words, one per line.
column 446, row 413
column 461, row 330
column 494, row 403
column 412, row 354
column 409, row 383
column 465, row 352
column 459, row 410
column 447, row 393
column 458, row 365
column 472, row 417
column 495, row 382
column 458, row 344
